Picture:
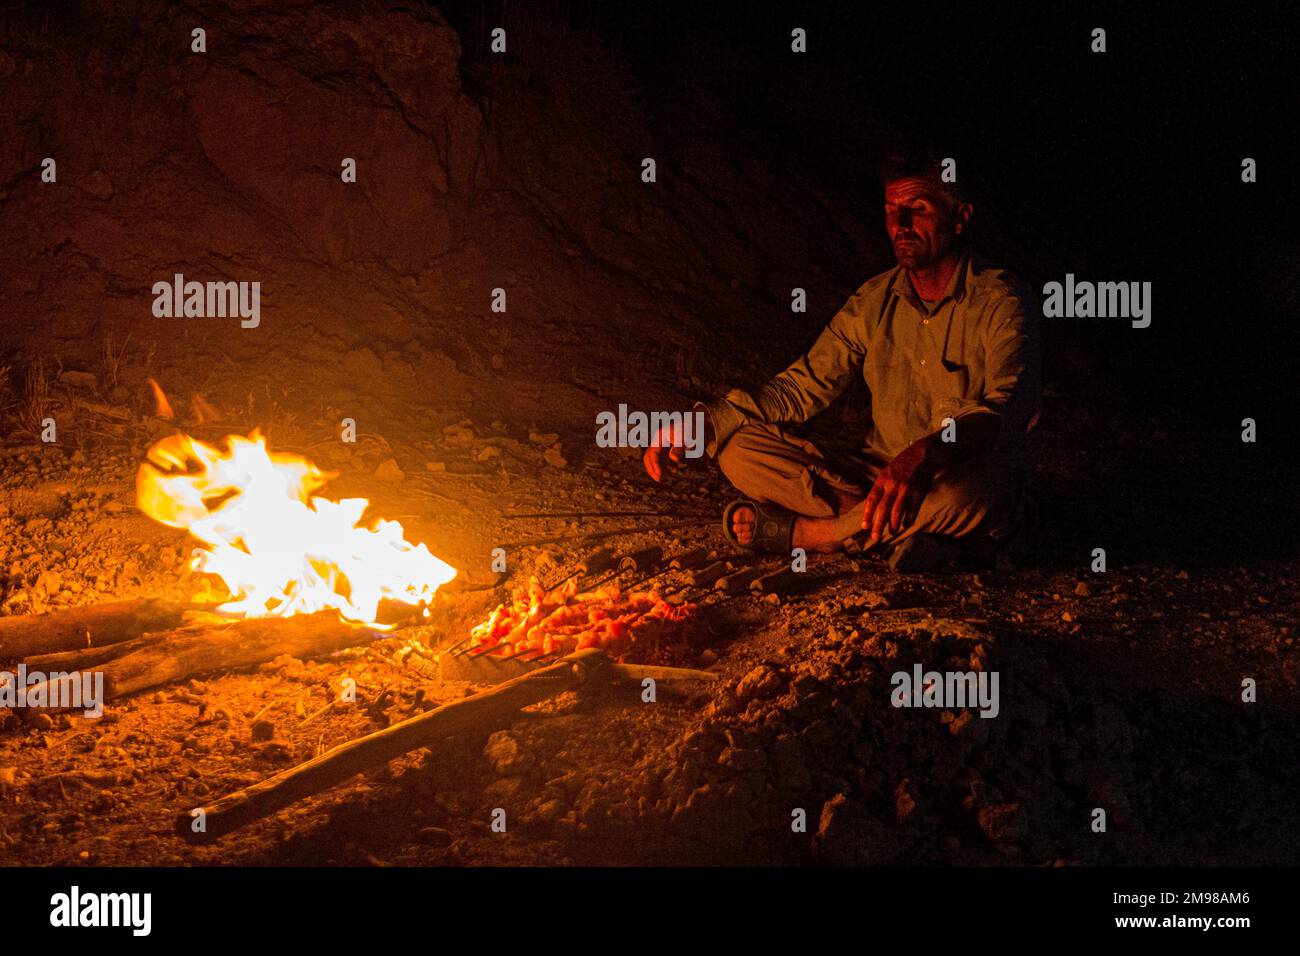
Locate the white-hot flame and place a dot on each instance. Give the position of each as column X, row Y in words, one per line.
column 279, row 548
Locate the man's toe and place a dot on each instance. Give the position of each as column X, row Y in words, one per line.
column 742, row 523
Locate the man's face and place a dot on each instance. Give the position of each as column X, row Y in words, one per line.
column 920, row 221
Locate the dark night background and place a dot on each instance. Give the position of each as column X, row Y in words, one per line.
column 1116, row 166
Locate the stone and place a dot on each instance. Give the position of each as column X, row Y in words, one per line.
column 503, row 789
column 761, row 683
column 905, row 802
column 503, row 753
column 743, row 760
column 847, row 835
column 554, row 457
column 549, row 811
column 1004, row 823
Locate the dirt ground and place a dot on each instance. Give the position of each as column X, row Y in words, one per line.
column 1119, row 690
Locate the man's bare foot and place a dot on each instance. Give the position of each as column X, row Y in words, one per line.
column 811, row 534
column 819, row 535
column 742, row 525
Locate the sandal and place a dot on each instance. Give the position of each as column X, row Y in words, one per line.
column 773, row 527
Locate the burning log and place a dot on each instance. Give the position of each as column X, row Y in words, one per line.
column 278, row 546
column 95, row 625
column 155, row 659
column 486, row 711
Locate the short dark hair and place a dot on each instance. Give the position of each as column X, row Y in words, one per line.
column 918, row 164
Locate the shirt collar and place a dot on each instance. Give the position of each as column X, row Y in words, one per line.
column 956, row 290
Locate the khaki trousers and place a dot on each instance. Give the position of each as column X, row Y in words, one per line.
column 979, row 501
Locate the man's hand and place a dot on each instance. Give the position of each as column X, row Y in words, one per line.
column 667, row 444
column 898, row 492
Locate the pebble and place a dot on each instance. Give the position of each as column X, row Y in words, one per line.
column 434, row 836
column 742, row 760
column 760, row 683
column 503, row 789
column 1004, row 823
column 847, row 835
column 504, row 754
column 549, row 811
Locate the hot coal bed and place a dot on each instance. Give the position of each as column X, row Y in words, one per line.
column 337, row 339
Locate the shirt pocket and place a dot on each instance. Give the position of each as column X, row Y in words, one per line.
column 952, row 391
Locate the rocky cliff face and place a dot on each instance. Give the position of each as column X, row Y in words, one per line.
column 226, row 165
column 169, row 158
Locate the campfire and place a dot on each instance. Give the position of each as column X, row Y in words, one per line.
column 279, row 548
column 307, row 576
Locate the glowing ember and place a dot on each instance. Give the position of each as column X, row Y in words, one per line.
column 279, row 548
column 561, row 621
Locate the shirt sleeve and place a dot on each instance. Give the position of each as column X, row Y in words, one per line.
column 1012, row 368
column 805, row 388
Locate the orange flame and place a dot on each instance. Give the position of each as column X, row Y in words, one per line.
column 279, row 548
column 162, row 407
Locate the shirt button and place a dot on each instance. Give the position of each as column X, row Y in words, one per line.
column 923, row 362
column 925, row 321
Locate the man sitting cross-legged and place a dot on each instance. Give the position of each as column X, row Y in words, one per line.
column 949, row 349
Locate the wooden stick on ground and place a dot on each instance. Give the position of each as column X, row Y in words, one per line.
column 486, row 711
column 185, row 652
column 483, row 711
column 92, row 626
column 90, row 657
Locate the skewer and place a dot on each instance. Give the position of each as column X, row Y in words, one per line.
column 605, row 514
column 601, row 559
column 638, row 560
column 594, row 561
column 685, row 561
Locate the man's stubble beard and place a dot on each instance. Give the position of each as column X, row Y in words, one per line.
column 911, row 260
